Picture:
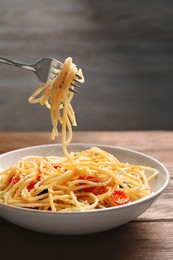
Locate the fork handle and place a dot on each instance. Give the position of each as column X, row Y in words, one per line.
column 17, row 64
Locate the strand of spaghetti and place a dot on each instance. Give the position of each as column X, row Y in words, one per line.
column 86, row 184
column 25, row 204
column 108, row 156
column 70, row 132
column 142, row 177
column 152, row 176
column 64, row 120
column 71, row 115
column 52, row 202
column 54, row 110
column 75, row 200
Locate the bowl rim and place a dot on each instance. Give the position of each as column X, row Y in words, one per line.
column 151, row 197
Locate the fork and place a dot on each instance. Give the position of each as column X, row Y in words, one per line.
column 45, row 69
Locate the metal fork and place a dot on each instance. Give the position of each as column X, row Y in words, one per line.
column 45, row 69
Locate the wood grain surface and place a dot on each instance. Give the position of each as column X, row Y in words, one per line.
column 148, row 237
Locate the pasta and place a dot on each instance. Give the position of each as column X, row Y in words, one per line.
column 87, row 180
column 57, row 97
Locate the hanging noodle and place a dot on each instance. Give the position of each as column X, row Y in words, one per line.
column 87, row 180
column 57, row 97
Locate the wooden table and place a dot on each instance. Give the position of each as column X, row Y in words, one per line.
column 148, row 237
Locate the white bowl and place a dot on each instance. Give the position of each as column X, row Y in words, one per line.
column 87, row 221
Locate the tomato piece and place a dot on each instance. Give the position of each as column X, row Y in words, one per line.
column 89, row 189
column 32, row 183
column 120, row 197
column 80, row 178
column 39, row 176
column 99, row 190
column 56, row 166
column 14, row 179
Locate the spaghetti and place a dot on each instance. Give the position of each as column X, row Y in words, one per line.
column 87, row 180
column 93, row 179
column 57, row 97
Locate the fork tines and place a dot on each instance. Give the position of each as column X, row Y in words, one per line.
column 74, row 90
column 78, row 76
column 74, row 85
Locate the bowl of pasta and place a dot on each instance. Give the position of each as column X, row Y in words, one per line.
column 98, row 188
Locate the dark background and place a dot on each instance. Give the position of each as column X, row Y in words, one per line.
column 125, row 49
